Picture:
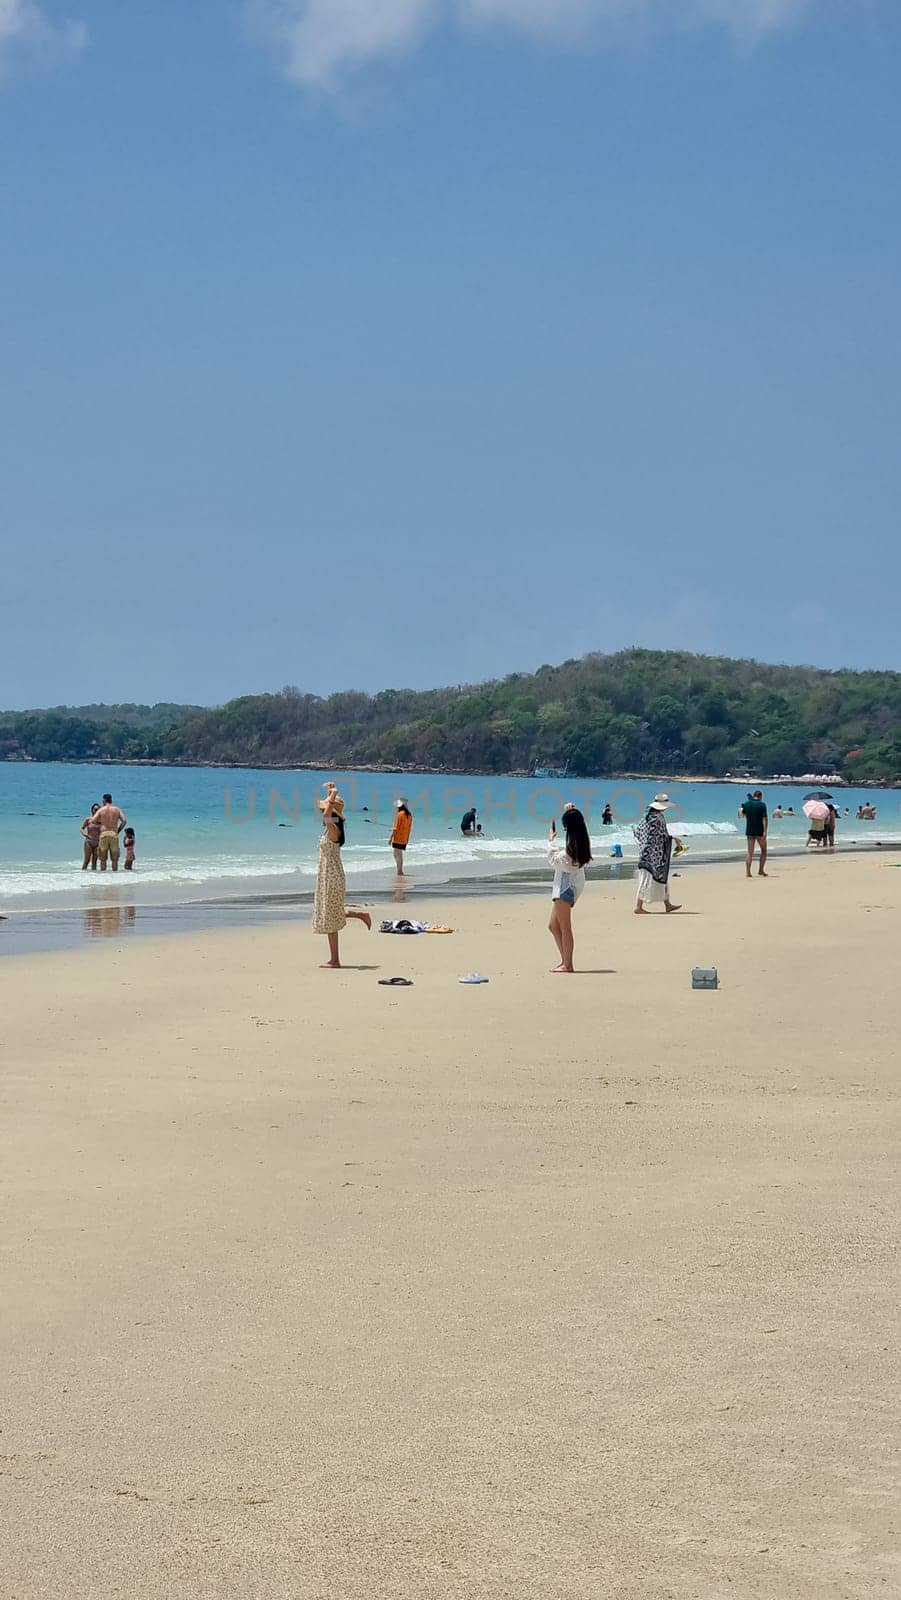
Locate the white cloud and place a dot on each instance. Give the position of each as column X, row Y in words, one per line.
column 25, row 24
column 320, row 41
column 322, row 38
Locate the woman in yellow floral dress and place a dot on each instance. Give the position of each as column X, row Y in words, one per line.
column 330, row 914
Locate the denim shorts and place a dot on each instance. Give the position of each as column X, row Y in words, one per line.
column 568, row 896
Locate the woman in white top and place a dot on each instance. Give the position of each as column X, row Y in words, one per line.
column 569, row 865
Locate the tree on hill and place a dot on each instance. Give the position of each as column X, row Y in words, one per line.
column 638, row 710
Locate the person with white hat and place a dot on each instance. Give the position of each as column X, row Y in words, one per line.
column 400, row 834
column 330, row 914
column 656, row 844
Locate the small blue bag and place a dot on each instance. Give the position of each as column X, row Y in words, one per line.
column 704, row 978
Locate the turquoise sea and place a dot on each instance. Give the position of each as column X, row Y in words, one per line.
column 233, row 845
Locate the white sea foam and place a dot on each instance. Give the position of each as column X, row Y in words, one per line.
column 175, row 877
column 52, row 877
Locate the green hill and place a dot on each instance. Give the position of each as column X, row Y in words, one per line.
column 85, row 733
column 639, row 710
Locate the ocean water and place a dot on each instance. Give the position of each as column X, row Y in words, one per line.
column 238, row 837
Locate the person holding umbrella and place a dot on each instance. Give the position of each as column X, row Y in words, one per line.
column 757, row 822
column 817, row 813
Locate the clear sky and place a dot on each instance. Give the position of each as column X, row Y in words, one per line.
column 355, row 343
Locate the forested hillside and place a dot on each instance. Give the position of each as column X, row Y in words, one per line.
column 639, row 710
column 85, row 733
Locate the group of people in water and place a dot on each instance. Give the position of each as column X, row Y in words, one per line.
column 821, row 830
column 399, row 838
column 101, row 830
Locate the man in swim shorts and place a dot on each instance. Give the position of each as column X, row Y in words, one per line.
column 756, row 822
column 112, row 820
column 468, row 823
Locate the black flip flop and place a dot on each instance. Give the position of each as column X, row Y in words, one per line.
column 397, row 983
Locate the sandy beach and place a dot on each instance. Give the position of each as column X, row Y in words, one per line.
column 553, row 1288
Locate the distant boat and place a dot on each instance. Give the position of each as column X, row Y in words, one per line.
column 551, row 772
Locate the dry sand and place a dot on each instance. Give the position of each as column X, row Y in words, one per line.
column 557, row 1287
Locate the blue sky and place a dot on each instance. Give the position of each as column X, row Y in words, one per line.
column 356, row 344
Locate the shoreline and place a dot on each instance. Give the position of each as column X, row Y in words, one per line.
column 405, row 770
column 48, row 929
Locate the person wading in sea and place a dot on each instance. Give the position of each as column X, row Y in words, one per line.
column 400, row 835
column 90, row 832
column 112, row 820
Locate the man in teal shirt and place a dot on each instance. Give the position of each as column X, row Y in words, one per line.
column 756, row 822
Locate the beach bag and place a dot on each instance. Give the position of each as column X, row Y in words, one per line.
column 704, row 978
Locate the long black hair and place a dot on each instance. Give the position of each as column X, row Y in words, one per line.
column 337, row 821
column 578, row 844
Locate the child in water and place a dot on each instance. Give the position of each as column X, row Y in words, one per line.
column 128, row 839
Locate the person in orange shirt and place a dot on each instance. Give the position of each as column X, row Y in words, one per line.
column 400, row 835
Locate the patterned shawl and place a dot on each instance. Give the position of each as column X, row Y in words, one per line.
column 656, row 846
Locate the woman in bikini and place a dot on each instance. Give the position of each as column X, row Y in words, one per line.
column 90, row 832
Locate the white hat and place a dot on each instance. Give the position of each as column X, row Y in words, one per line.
column 661, row 802
column 400, row 802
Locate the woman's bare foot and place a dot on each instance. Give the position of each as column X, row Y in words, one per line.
column 640, row 911
column 671, row 907
column 562, row 967
column 325, row 965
